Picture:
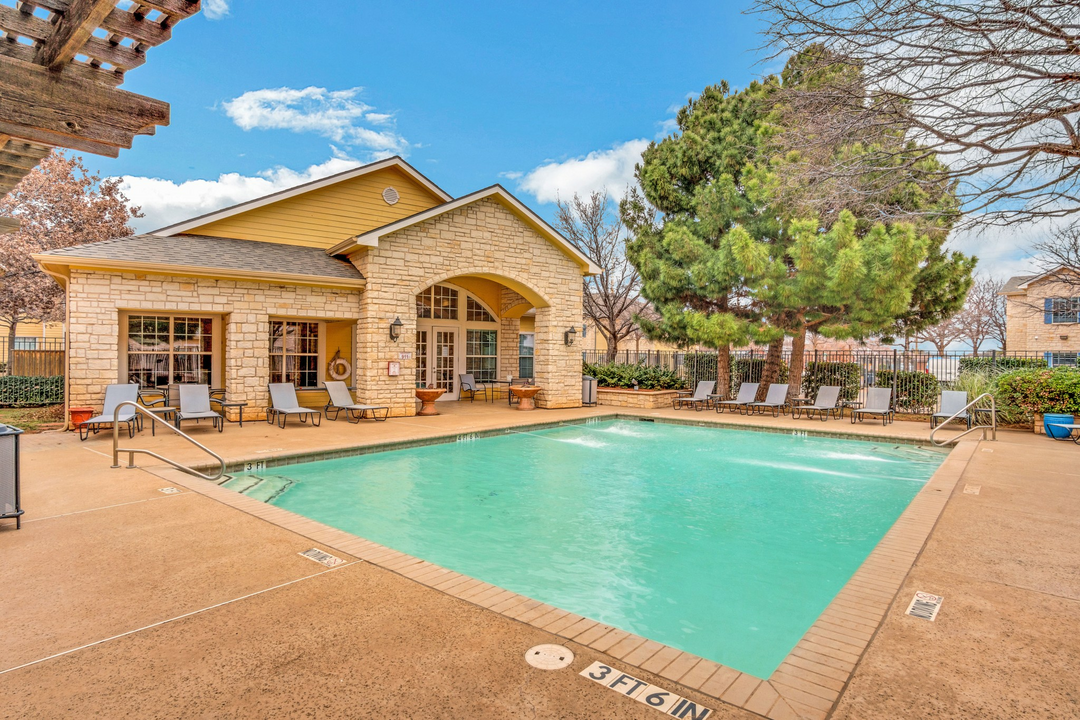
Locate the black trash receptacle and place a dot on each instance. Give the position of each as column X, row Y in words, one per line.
column 9, row 474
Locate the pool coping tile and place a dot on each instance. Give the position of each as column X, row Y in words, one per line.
column 807, row 683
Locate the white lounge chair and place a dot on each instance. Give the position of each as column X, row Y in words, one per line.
column 746, row 395
column 700, row 398
column 878, row 402
column 114, row 395
column 825, row 404
column 340, row 399
column 775, row 400
column 195, row 405
column 283, row 403
column 952, row 402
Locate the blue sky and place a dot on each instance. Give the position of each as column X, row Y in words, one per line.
column 475, row 94
column 546, row 99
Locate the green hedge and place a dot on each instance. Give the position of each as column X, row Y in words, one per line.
column 845, row 374
column 27, row 391
column 916, row 392
column 750, row 370
column 1041, row 391
column 623, row 375
column 995, row 365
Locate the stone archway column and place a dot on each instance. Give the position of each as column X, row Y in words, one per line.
column 558, row 366
column 379, row 305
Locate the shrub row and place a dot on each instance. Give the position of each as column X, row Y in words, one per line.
column 995, row 365
column 916, row 392
column 845, row 374
column 1040, row 391
column 624, row 375
column 26, row 391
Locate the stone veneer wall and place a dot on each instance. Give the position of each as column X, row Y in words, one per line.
column 483, row 238
column 509, row 330
column 644, row 399
column 95, row 300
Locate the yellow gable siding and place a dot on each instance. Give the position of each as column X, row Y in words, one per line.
column 33, row 329
column 328, row 215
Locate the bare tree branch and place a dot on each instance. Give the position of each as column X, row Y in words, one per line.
column 990, row 87
column 611, row 298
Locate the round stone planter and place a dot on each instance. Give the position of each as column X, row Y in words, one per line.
column 525, row 395
column 427, row 397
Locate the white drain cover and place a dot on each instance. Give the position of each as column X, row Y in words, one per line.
column 549, row 657
column 168, row 490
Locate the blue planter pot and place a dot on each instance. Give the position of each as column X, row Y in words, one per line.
column 1058, row 433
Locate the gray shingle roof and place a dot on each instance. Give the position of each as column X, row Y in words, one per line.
column 216, row 253
column 1013, row 284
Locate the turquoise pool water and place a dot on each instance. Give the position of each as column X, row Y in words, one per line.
column 725, row 543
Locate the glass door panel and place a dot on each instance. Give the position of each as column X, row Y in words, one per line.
column 444, row 362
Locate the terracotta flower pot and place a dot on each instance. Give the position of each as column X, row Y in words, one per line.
column 427, row 397
column 525, row 393
column 79, row 415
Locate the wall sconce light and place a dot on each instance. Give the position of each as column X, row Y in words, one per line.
column 569, row 335
column 395, row 329
column 1063, row 337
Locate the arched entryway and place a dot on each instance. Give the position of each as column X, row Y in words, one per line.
column 457, row 331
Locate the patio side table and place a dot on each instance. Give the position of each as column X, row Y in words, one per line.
column 224, row 404
column 162, row 411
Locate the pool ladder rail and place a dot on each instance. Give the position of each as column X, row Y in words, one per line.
column 992, row 427
column 140, row 410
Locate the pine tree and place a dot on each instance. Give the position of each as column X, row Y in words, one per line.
column 745, row 252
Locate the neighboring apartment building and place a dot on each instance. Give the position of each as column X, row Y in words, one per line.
column 1043, row 314
column 33, row 335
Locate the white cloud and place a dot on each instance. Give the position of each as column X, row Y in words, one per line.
column 612, row 169
column 335, row 114
column 1005, row 251
column 165, row 202
column 215, row 9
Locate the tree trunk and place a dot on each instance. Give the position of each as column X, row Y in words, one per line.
column 771, row 372
column 798, row 364
column 723, row 371
column 612, row 343
column 11, row 346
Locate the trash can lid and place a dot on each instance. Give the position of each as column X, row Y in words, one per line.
column 10, row 430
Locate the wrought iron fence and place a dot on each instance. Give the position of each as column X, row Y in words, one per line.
column 31, row 371
column 916, row 377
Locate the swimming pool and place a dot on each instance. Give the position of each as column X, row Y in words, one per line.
column 727, row 544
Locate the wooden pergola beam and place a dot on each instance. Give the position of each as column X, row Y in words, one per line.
column 75, row 28
column 57, row 109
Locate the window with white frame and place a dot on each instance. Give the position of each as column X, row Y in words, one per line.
column 475, row 312
column 294, row 352
column 526, row 344
column 1062, row 360
column 438, row 302
column 1064, row 310
column 481, row 354
column 164, row 350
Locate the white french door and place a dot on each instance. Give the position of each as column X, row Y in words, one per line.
column 443, row 361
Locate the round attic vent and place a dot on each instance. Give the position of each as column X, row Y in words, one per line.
column 390, row 195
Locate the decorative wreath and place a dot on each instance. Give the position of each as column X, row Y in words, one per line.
column 339, row 368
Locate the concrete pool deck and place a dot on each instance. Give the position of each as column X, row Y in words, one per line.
column 103, row 553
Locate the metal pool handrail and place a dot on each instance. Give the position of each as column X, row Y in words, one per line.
column 992, row 427
column 140, row 410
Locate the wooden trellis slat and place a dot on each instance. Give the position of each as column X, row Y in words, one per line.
column 58, row 78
